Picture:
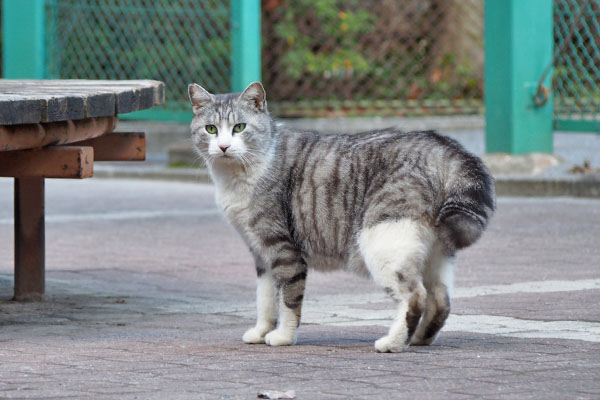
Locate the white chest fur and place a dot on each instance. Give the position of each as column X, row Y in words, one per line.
column 233, row 197
column 234, row 188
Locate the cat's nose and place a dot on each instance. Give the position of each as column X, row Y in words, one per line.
column 223, row 148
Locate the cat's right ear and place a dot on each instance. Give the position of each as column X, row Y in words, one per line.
column 199, row 97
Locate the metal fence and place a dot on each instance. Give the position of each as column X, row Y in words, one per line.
column 330, row 57
column 576, row 79
column 175, row 41
column 319, row 57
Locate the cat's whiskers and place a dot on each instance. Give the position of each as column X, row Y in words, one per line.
column 243, row 160
column 197, row 160
column 251, row 154
column 248, row 160
column 209, row 159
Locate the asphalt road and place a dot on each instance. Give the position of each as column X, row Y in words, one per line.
column 149, row 292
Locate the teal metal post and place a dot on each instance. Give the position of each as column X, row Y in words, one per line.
column 23, row 35
column 245, row 43
column 518, row 48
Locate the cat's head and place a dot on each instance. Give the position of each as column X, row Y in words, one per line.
column 234, row 127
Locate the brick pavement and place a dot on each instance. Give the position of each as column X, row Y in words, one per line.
column 149, row 292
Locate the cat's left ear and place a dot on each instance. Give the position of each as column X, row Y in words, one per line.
column 199, row 97
column 255, row 96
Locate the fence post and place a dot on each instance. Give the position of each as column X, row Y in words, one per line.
column 518, row 48
column 245, row 43
column 23, row 35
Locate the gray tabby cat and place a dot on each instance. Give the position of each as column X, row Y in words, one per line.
column 394, row 205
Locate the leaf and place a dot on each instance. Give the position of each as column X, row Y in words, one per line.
column 274, row 394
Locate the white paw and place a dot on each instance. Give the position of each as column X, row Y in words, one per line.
column 389, row 345
column 279, row 338
column 253, row 336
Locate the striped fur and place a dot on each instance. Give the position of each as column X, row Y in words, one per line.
column 303, row 199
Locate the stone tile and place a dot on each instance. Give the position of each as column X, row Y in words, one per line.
column 155, row 307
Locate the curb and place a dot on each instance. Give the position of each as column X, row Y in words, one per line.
column 556, row 186
column 197, row 175
column 506, row 185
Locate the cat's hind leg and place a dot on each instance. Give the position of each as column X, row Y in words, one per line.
column 438, row 278
column 394, row 253
column 266, row 309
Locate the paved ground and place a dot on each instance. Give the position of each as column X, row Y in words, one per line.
column 149, row 293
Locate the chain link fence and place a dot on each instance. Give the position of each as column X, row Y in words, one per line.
column 319, row 57
column 576, row 80
column 175, row 41
column 331, row 57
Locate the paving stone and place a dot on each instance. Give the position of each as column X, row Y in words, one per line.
column 149, row 293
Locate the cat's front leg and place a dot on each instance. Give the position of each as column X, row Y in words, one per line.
column 266, row 308
column 290, row 277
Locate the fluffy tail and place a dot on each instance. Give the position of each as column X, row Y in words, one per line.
column 466, row 211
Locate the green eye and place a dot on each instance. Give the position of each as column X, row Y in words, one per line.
column 239, row 127
column 211, row 129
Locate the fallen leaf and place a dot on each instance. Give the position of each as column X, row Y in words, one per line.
column 274, row 394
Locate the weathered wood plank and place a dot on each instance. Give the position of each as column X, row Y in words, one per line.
column 29, row 136
column 127, row 102
column 118, row 146
column 65, row 108
column 20, row 110
column 100, row 105
column 48, row 162
column 33, row 101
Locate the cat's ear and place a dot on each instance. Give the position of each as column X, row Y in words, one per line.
column 199, row 97
column 255, row 96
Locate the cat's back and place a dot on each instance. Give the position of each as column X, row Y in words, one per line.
column 371, row 152
column 323, row 189
column 326, row 184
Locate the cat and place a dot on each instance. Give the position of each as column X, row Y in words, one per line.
column 393, row 205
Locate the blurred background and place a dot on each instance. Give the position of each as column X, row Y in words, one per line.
column 336, row 59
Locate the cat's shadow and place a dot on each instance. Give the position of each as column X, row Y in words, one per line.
column 362, row 339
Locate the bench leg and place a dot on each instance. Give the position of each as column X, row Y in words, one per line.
column 29, row 239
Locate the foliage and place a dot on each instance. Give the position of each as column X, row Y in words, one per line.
column 369, row 54
column 305, row 20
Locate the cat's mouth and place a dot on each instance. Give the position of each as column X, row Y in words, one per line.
column 226, row 157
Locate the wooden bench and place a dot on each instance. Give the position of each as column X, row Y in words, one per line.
column 57, row 129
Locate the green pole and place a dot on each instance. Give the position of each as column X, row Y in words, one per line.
column 23, row 35
column 245, row 43
column 518, row 49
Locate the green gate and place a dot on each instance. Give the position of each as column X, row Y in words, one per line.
column 576, row 79
column 541, row 72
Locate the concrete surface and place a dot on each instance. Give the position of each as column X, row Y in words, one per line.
column 162, row 135
column 523, row 175
column 149, row 293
